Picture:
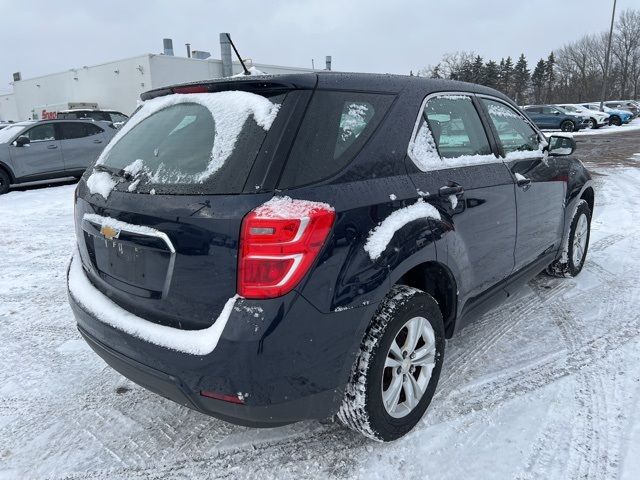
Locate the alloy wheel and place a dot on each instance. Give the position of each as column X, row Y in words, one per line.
column 408, row 367
column 580, row 239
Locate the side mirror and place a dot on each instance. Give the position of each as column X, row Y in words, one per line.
column 22, row 141
column 556, row 113
column 561, row 146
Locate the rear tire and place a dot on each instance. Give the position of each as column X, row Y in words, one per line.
column 391, row 385
column 575, row 250
column 567, row 126
column 5, row 182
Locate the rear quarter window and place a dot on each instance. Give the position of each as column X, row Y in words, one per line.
column 334, row 129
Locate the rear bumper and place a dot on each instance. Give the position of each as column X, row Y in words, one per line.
column 290, row 365
column 174, row 389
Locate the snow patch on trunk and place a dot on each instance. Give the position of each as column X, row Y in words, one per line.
column 380, row 236
column 193, row 342
column 101, row 183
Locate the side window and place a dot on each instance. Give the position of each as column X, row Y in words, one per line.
column 41, row 133
column 336, row 126
column 450, row 129
column 73, row 130
column 92, row 129
column 514, row 133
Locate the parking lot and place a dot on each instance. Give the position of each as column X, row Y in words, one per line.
column 546, row 386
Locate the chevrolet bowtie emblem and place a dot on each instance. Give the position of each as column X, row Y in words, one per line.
column 109, row 232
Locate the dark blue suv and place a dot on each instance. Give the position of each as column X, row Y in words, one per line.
column 272, row 249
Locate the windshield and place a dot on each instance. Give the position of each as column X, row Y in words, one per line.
column 179, row 141
column 7, row 133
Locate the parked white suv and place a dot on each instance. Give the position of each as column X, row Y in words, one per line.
column 596, row 118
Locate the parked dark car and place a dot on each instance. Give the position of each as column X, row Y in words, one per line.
column 549, row 117
column 312, row 257
column 33, row 150
column 624, row 105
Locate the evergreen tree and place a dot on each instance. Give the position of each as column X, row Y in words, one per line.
column 521, row 77
column 550, row 77
column 539, row 80
column 491, row 74
column 506, row 76
column 477, row 70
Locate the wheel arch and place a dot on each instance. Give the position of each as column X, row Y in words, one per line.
column 437, row 280
column 8, row 170
column 589, row 195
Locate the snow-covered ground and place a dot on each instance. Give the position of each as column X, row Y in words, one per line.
column 545, row 387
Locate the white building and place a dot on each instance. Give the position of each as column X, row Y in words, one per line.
column 114, row 85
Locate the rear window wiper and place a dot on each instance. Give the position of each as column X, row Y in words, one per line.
column 118, row 172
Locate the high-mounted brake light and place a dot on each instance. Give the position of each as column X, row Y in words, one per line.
column 279, row 242
column 191, row 89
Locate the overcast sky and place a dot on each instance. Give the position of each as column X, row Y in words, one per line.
column 40, row 37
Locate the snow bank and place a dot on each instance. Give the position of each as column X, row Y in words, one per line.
column 423, row 151
column 380, row 236
column 229, row 110
column 194, row 342
column 101, row 183
column 286, row 207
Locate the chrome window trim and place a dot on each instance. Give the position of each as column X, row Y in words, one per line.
column 498, row 159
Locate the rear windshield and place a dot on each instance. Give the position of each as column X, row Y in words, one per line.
column 204, row 142
column 335, row 128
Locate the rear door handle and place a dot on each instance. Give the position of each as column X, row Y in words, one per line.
column 52, row 147
column 454, row 190
column 97, row 141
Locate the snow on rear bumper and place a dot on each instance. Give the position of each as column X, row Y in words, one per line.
column 194, row 342
column 289, row 361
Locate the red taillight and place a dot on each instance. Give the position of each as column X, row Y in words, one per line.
column 222, row 396
column 278, row 243
column 191, row 89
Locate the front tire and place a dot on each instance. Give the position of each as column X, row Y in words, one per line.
column 5, row 182
column 575, row 249
column 593, row 124
column 567, row 126
column 397, row 369
column 615, row 120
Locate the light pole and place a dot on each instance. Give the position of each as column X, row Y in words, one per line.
column 606, row 58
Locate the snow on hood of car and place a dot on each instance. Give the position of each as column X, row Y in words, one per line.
column 193, row 342
column 380, row 236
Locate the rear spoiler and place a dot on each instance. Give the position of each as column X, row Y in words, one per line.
column 266, row 83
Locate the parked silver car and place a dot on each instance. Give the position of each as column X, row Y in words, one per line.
column 32, row 150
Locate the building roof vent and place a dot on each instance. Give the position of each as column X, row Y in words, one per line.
column 167, row 43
